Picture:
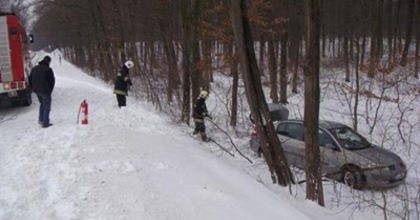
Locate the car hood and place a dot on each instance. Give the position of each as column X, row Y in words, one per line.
column 378, row 156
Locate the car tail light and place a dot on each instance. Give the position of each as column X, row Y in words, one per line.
column 14, row 85
column 6, row 86
column 20, row 85
column 255, row 133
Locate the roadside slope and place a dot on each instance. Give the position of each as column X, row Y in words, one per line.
column 127, row 164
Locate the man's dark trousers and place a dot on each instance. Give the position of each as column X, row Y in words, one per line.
column 121, row 100
column 44, row 108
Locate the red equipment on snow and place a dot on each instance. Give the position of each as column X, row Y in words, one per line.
column 84, row 109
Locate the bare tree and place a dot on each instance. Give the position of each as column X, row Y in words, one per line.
column 270, row 144
column 409, row 31
column 314, row 189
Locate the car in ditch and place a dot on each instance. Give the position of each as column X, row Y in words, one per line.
column 345, row 155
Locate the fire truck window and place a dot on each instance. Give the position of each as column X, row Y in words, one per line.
column 13, row 31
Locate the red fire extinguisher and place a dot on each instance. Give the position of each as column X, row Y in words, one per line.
column 84, row 109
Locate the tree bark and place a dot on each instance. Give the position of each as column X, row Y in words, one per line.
column 409, row 31
column 284, row 35
column 346, row 58
column 390, row 25
column 270, row 144
column 197, row 73
column 171, row 60
column 207, row 58
column 235, row 75
column 186, row 64
column 262, row 50
column 356, row 98
column 376, row 38
column 314, row 189
column 272, row 68
column 416, row 68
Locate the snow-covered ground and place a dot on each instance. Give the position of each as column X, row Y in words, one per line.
column 126, row 164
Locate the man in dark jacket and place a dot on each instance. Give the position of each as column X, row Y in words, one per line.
column 122, row 82
column 42, row 82
column 199, row 113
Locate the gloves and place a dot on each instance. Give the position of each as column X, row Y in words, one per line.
column 129, row 82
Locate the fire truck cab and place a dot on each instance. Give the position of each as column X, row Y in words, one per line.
column 15, row 63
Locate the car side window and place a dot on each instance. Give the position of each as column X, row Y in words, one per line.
column 281, row 129
column 325, row 138
column 295, row 131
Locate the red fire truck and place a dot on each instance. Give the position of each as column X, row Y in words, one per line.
column 15, row 63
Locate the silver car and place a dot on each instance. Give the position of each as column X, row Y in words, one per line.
column 345, row 154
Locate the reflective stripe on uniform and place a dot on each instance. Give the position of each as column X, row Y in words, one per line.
column 126, row 78
column 198, row 120
column 119, row 74
column 119, row 92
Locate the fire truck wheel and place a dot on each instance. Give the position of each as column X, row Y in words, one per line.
column 23, row 102
column 26, row 102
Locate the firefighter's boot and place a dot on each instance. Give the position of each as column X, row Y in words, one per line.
column 204, row 137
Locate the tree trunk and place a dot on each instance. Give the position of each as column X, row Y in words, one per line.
column 235, row 75
column 314, row 189
column 362, row 56
column 262, row 50
column 356, row 101
column 396, row 31
column 284, row 35
column 171, row 61
column 186, row 64
column 389, row 12
column 346, row 58
column 121, row 53
column 380, row 39
column 270, row 144
column 207, row 58
column 272, row 67
column 409, row 31
column 197, row 73
column 374, row 39
column 295, row 40
column 416, row 68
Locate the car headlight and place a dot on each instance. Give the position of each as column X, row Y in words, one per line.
column 374, row 166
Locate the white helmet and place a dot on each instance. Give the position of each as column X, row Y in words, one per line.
column 129, row 64
column 204, row 94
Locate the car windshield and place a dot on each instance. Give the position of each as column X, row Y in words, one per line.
column 349, row 139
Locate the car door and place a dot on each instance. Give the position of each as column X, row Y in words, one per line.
column 331, row 156
column 291, row 136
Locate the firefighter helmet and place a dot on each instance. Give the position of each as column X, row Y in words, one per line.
column 129, row 64
column 204, row 94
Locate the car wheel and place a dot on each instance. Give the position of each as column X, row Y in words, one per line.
column 353, row 177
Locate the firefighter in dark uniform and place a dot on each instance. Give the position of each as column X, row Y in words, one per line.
column 122, row 82
column 199, row 113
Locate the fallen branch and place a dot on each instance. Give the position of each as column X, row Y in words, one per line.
column 231, row 141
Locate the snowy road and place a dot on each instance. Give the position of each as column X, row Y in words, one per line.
column 127, row 164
